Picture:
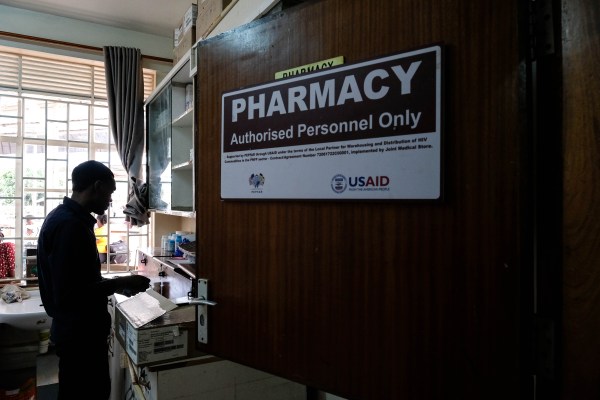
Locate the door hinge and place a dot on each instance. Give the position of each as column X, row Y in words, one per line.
column 541, row 28
column 544, row 347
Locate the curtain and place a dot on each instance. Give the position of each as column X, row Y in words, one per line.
column 125, row 91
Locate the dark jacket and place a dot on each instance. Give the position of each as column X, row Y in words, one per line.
column 73, row 291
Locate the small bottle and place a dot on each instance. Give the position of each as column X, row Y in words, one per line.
column 171, row 244
column 178, row 239
column 164, row 243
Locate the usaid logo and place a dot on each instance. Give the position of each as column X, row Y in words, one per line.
column 368, row 181
column 339, row 183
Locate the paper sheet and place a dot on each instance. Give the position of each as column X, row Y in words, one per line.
column 145, row 307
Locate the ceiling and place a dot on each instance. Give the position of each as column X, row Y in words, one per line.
column 158, row 17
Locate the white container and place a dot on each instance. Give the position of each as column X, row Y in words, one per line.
column 44, row 340
column 189, row 96
column 189, row 236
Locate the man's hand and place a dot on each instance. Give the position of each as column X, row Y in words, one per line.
column 130, row 285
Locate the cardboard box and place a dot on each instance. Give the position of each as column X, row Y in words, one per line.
column 189, row 18
column 169, row 337
column 209, row 12
column 211, row 378
column 176, row 36
column 186, row 41
column 187, row 22
column 184, row 35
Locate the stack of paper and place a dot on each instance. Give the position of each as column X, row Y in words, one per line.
column 145, row 307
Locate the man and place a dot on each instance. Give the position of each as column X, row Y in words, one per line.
column 101, row 233
column 30, row 229
column 73, row 291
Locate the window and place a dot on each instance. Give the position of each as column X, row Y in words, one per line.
column 53, row 116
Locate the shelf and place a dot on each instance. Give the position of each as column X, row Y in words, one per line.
column 182, row 74
column 177, row 213
column 177, row 74
column 178, row 180
column 181, row 264
column 184, row 120
column 184, row 166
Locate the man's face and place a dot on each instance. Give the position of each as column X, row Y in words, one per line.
column 103, row 192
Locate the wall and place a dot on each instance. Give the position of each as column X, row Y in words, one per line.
column 47, row 26
column 25, row 22
column 241, row 13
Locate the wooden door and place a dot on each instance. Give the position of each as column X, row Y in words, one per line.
column 580, row 206
column 379, row 300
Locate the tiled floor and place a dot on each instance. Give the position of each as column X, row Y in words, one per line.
column 47, row 376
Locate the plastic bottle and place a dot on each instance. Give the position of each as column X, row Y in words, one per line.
column 164, row 243
column 178, row 240
column 171, row 243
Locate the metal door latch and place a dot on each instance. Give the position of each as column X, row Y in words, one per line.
column 202, row 302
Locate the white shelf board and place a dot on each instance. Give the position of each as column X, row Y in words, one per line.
column 184, row 120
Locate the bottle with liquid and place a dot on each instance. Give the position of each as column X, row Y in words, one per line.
column 178, row 240
column 171, row 248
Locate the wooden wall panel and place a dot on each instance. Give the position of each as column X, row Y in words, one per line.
column 377, row 300
column 581, row 204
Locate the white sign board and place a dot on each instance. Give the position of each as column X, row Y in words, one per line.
column 368, row 130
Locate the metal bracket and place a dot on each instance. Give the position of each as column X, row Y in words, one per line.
column 541, row 28
column 203, row 303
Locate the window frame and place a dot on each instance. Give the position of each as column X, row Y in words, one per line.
column 94, row 100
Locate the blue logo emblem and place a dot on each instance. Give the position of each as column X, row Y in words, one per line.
column 256, row 180
column 339, row 183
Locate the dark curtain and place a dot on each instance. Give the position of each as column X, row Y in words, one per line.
column 125, row 90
